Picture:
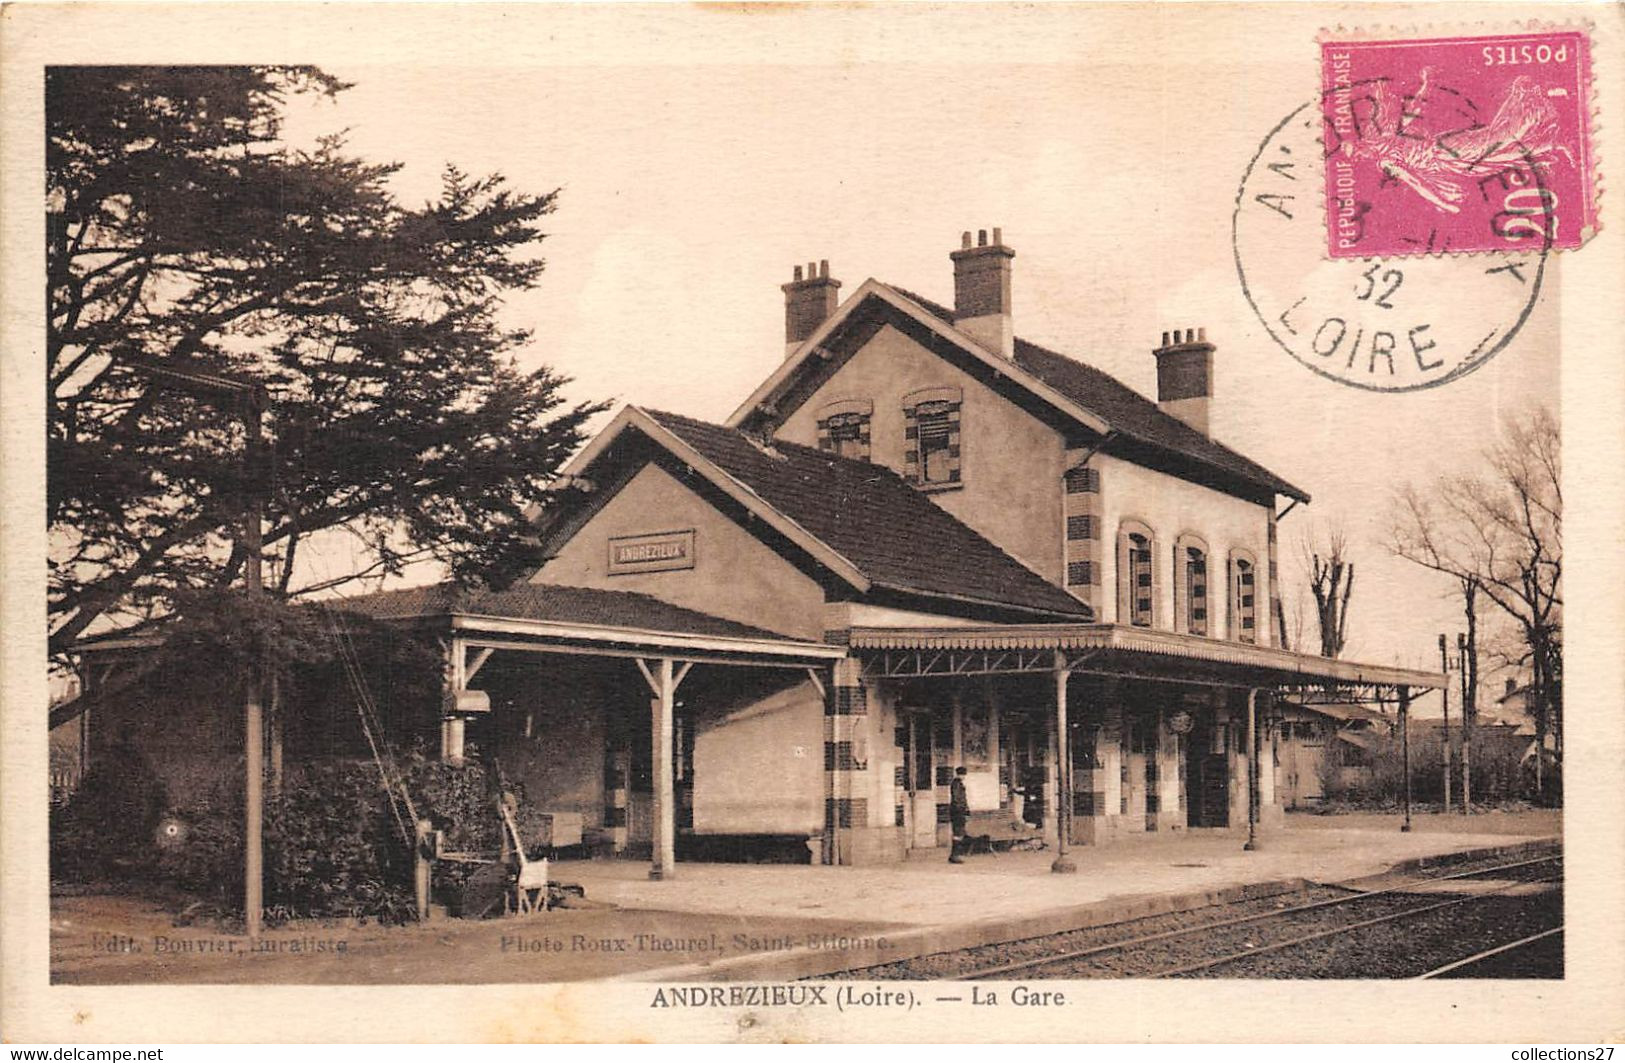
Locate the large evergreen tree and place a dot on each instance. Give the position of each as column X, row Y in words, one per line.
column 183, row 229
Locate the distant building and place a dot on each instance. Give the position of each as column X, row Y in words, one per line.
column 67, row 752
column 1320, row 743
column 1516, row 707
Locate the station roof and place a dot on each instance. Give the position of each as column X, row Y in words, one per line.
column 547, row 602
column 1125, row 410
column 1077, row 392
column 861, row 522
column 1115, row 649
column 892, row 533
column 1345, row 711
column 548, row 618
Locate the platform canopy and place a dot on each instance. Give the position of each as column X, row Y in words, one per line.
column 1114, row 650
column 545, row 618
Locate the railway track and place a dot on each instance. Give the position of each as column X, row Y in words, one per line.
column 1504, row 957
column 1311, row 933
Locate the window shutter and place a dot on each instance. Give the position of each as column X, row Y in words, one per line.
column 1123, row 579
column 1199, row 622
column 1229, row 602
column 931, row 436
column 1181, row 593
column 1158, row 581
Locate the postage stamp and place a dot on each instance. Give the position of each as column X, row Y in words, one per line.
column 1457, row 144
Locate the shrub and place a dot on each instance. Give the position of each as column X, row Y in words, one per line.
column 332, row 845
column 200, row 848
column 333, row 848
column 1329, row 772
column 106, row 829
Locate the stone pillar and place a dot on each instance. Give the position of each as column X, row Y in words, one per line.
column 1132, row 773
column 1170, row 814
column 1270, row 812
column 617, row 769
column 1092, row 821
column 1109, row 752
column 846, row 736
column 1081, row 552
column 1272, row 598
column 451, row 739
column 1089, row 823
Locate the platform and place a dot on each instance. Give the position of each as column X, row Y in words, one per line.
column 768, row 922
column 924, row 892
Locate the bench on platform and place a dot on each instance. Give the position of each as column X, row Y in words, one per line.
column 988, row 831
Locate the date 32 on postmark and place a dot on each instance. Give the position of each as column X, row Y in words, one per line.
column 1457, row 144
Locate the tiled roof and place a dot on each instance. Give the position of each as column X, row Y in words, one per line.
column 1126, row 410
column 1345, row 710
column 566, row 605
column 896, row 536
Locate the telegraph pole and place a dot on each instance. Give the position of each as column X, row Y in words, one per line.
column 1467, row 713
column 246, row 399
column 254, row 708
column 1444, row 692
column 1405, row 745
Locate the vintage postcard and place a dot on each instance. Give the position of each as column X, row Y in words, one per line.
column 776, row 522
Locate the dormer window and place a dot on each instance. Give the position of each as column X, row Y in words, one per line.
column 843, row 428
column 1243, row 597
column 931, row 455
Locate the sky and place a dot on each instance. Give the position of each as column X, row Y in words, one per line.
column 692, row 181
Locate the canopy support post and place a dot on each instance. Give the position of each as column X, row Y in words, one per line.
column 1064, row 864
column 663, row 681
column 1253, row 782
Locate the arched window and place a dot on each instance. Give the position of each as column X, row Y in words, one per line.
column 1137, row 577
column 1243, row 596
column 1191, row 599
column 843, row 428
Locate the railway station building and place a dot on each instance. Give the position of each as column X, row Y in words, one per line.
column 922, row 543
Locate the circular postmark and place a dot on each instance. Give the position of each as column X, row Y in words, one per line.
column 1395, row 322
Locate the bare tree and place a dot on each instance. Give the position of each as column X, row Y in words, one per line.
column 1331, row 581
column 1499, row 531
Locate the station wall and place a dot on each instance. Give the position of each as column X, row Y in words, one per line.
column 1010, row 462
column 759, row 769
column 734, row 575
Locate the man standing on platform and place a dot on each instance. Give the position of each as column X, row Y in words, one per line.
column 958, row 815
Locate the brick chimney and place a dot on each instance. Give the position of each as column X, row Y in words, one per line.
column 1185, row 376
column 982, row 292
column 808, row 302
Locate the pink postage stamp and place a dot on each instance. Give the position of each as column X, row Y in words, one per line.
column 1457, row 144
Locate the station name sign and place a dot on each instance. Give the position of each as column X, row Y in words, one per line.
column 656, row 552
